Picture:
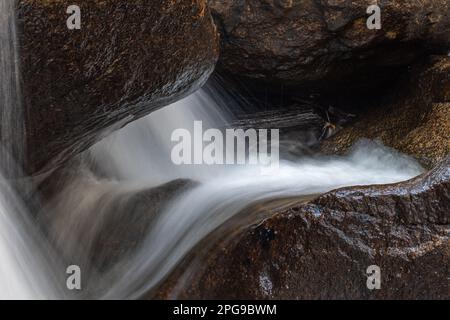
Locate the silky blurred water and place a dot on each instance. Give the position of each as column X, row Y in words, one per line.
column 134, row 159
column 141, row 153
column 25, row 267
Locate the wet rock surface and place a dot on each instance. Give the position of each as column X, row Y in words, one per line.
column 305, row 41
column 110, row 219
column 132, row 58
column 412, row 117
column 322, row 249
column 128, row 59
column 130, row 217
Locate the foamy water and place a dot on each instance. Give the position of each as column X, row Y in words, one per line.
column 138, row 155
column 135, row 159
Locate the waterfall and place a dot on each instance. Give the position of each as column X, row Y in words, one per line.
column 146, row 157
column 134, row 160
column 196, row 213
column 12, row 128
column 138, row 157
column 25, row 262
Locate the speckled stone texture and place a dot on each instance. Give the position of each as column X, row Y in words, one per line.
column 301, row 41
column 322, row 249
column 129, row 59
column 413, row 117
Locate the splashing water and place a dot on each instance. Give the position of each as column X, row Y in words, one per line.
column 140, row 154
column 193, row 215
column 132, row 160
column 25, row 267
column 142, row 151
column 26, row 262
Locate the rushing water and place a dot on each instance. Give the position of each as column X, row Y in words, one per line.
column 27, row 265
column 193, row 215
column 11, row 130
column 131, row 161
column 25, row 260
column 223, row 191
column 138, row 157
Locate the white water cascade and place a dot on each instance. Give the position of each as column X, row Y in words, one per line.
column 135, row 159
column 140, row 153
column 26, row 262
column 25, row 267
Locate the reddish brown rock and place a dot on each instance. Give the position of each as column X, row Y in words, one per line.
column 413, row 116
column 299, row 42
column 129, row 59
column 322, row 249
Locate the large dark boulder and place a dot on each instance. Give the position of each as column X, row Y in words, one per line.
column 322, row 249
column 129, row 59
column 299, row 42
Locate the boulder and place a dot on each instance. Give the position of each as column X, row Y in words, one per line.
column 300, row 42
column 127, row 60
column 322, row 249
column 412, row 117
column 130, row 216
column 97, row 223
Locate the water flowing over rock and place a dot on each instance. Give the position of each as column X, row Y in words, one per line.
column 138, row 225
column 99, row 223
column 26, row 262
column 11, row 112
column 302, row 41
column 322, row 249
column 123, row 216
column 128, row 59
